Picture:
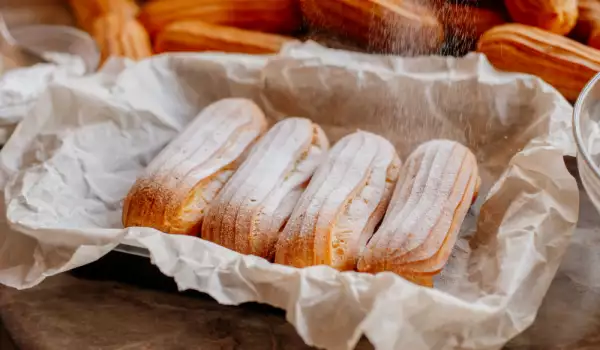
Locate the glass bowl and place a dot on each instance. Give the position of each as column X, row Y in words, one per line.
column 60, row 39
column 586, row 128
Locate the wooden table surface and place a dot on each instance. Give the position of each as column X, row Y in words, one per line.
column 122, row 302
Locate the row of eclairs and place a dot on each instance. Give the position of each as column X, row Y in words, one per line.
column 285, row 195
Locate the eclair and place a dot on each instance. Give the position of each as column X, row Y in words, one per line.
column 177, row 186
column 437, row 185
column 250, row 211
column 197, row 36
column 344, row 201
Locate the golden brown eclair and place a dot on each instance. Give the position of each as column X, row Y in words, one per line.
column 587, row 21
column 468, row 22
column 556, row 16
column 178, row 185
column 567, row 66
column 390, row 26
column 87, row 11
column 436, row 187
column 122, row 37
column 344, row 201
column 587, row 29
column 271, row 16
column 252, row 208
column 200, row 36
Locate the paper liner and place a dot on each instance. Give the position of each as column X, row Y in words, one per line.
column 73, row 158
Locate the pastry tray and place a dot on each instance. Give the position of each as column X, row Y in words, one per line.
column 132, row 249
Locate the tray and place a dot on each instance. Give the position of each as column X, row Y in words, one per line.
column 133, row 250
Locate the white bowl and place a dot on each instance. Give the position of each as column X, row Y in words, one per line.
column 586, row 127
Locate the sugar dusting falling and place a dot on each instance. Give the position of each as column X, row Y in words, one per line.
column 390, row 33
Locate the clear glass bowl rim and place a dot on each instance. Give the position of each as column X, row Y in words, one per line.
column 577, row 110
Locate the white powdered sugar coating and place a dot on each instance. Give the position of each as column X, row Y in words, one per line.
column 180, row 182
column 341, row 205
column 253, row 206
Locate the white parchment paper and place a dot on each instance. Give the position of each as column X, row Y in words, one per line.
column 21, row 87
column 73, row 158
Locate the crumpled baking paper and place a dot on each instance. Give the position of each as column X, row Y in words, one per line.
column 73, row 158
column 569, row 317
column 21, row 87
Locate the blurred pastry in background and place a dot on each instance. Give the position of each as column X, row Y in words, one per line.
column 560, row 61
column 200, row 36
column 587, row 29
column 87, row 11
column 121, row 37
column 465, row 24
column 387, row 26
column 556, row 16
column 271, row 16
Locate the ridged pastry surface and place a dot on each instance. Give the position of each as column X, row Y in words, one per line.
column 271, row 16
column 435, row 189
column 588, row 20
column 201, row 36
column 343, row 203
column 557, row 16
column 562, row 62
column 391, row 26
column 178, row 185
column 86, row 11
column 121, row 37
column 250, row 211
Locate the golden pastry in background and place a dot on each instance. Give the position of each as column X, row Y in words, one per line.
column 562, row 62
column 344, row 201
column 177, row 186
column 272, row 16
column 557, row 16
column 467, row 23
column 122, row 37
column 200, row 36
column 588, row 20
column 86, row 11
column 252, row 208
column 388, row 26
column 587, row 29
column 437, row 185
